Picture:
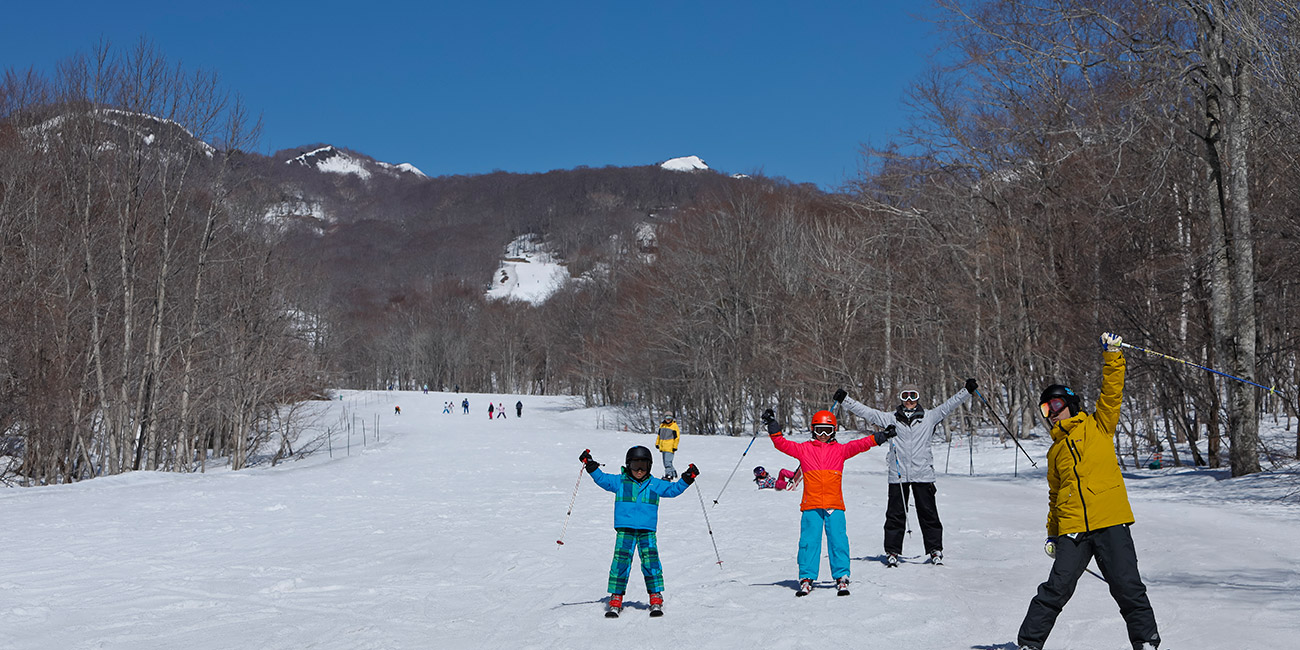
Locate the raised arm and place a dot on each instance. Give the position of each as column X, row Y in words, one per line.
column 878, row 418
column 1112, row 384
column 953, row 402
column 774, row 427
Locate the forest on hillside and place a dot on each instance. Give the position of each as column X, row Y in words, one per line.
column 1130, row 168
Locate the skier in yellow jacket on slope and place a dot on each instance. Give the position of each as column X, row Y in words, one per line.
column 1088, row 513
column 669, row 434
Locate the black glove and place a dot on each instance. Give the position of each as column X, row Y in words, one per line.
column 839, row 396
column 689, row 475
column 774, row 427
column 971, row 386
column 590, row 463
column 767, row 416
column 882, row 436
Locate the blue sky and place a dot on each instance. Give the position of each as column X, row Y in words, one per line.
column 788, row 89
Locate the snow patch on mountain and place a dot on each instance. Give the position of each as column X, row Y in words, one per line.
column 336, row 161
column 684, row 164
column 299, row 209
column 332, row 160
column 403, row 167
column 140, row 125
column 529, row 273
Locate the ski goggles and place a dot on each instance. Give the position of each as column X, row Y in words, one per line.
column 823, row 429
column 1051, row 406
column 638, row 464
column 909, row 396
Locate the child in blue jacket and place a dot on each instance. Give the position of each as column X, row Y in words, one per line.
column 636, row 515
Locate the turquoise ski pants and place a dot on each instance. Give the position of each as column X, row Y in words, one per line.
column 810, row 543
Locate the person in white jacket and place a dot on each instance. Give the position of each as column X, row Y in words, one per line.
column 911, row 465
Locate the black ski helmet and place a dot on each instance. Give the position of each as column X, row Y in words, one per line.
column 1064, row 393
column 639, row 453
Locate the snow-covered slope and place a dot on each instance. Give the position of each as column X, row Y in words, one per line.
column 528, row 273
column 442, row 534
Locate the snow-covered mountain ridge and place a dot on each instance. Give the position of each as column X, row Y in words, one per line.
column 333, row 160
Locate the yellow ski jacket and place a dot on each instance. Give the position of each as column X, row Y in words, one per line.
column 668, row 435
column 1085, row 490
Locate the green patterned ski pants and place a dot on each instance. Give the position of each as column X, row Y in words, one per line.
column 621, row 568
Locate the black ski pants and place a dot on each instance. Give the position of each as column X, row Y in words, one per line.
column 1117, row 559
column 927, row 513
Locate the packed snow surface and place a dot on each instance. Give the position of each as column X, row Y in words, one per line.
column 684, row 164
column 442, row 533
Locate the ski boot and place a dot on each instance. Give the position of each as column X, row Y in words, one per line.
column 615, row 606
column 805, row 587
column 936, row 556
column 891, row 560
column 656, row 605
column 842, row 586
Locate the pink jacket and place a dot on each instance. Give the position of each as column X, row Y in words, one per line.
column 823, row 468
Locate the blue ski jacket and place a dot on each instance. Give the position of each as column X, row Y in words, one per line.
column 636, row 505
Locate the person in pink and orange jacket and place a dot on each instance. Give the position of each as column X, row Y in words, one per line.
column 822, row 461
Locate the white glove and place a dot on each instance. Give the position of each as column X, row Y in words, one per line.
column 1111, row 342
column 1049, row 547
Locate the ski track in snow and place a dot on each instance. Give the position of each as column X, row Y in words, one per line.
column 443, row 534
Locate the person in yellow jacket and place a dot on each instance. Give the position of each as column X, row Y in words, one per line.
column 669, row 434
column 1088, row 513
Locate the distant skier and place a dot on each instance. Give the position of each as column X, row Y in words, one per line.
column 666, row 443
column 1088, row 512
column 911, row 465
column 636, row 516
column 491, row 409
column 501, row 410
column 784, row 480
column 464, row 404
column 446, row 408
column 519, row 409
column 822, row 460
column 426, row 389
column 397, row 410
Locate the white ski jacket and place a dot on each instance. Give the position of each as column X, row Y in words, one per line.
column 910, row 458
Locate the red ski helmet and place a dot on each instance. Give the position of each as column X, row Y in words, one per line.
column 823, row 422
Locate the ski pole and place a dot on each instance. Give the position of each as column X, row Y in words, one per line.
column 1004, row 426
column 949, row 457
column 733, row 471
column 1099, row 577
column 1207, row 369
column 560, row 541
column 708, row 525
